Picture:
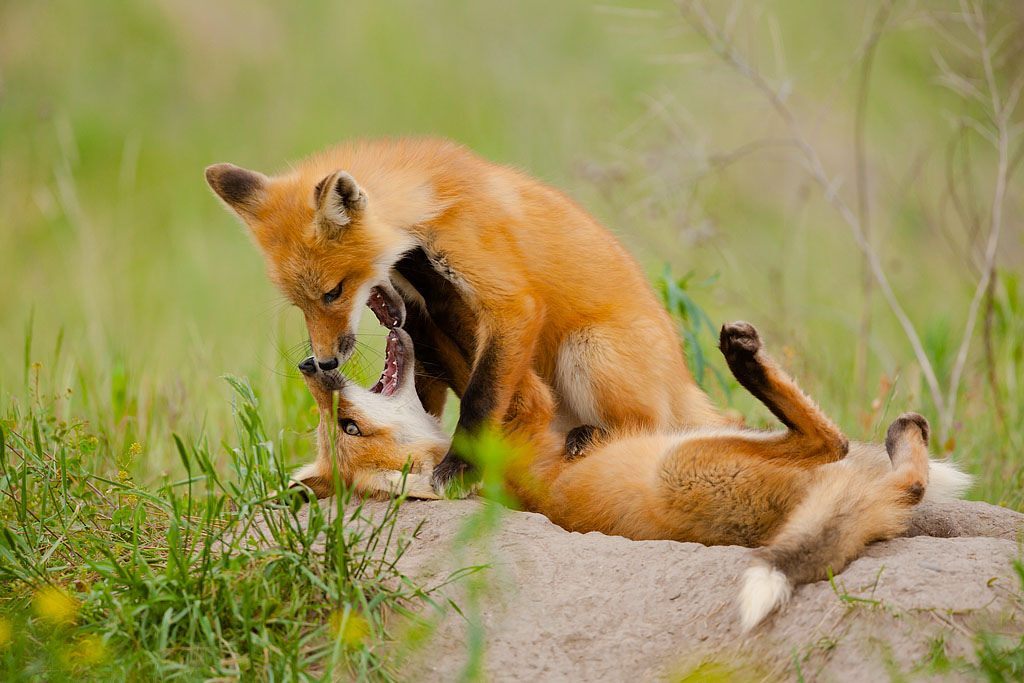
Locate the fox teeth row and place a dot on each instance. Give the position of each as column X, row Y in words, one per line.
column 378, row 298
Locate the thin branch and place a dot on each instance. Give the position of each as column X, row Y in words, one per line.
column 1002, row 122
column 990, row 353
column 863, row 203
column 698, row 18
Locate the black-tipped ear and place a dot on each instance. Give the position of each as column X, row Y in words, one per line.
column 339, row 202
column 241, row 189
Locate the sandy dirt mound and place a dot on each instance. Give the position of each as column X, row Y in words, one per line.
column 569, row 606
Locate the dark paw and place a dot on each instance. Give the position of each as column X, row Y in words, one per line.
column 902, row 426
column 738, row 340
column 300, row 491
column 579, row 440
column 449, row 476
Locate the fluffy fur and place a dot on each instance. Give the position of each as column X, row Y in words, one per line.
column 532, row 272
column 805, row 499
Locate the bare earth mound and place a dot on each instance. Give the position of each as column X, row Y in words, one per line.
column 568, row 606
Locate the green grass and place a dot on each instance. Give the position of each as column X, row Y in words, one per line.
column 130, row 293
column 204, row 576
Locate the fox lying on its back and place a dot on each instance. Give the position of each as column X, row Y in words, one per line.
column 804, row 498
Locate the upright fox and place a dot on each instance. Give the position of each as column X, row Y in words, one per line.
column 805, row 499
column 509, row 286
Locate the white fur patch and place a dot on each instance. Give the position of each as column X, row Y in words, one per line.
column 503, row 191
column 390, row 256
column 945, row 481
column 359, row 306
column 764, row 589
column 402, row 413
column 575, row 387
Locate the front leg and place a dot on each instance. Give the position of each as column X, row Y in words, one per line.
column 503, row 361
column 395, row 483
column 440, row 363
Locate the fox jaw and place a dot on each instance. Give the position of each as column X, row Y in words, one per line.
column 368, row 436
column 298, row 223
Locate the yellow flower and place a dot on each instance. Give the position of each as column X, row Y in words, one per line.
column 56, row 606
column 350, row 629
column 6, row 631
column 135, row 449
column 88, row 651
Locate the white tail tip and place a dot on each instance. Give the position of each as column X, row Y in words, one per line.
column 946, row 481
column 764, row 589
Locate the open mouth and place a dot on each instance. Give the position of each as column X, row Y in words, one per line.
column 390, row 311
column 386, row 306
column 395, row 358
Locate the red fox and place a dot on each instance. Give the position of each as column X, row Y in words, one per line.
column 509, row 287
column 804, row 499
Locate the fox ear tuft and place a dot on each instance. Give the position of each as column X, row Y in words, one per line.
column 240, row 189
column 339, row 202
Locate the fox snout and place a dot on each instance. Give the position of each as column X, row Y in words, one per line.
column 320, row 382
column 331, row 358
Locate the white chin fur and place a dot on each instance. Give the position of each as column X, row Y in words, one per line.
column 764, row 589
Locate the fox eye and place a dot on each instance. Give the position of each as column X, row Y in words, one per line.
column 332, row 296
column 350, row 427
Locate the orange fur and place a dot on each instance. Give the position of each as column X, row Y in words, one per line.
column 804, row 497
column 543, row 282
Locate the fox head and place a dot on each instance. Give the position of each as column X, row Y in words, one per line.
column 369, row 435
column 324, row 247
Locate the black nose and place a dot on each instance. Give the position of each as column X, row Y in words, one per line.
column 308, row 366
column 326, row 365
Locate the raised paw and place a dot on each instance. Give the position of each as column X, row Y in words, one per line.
column 903, row 427
column 739, row 339
column 579, row 440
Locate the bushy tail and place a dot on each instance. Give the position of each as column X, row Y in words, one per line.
column 946, row 481
column 764, row 589
column 846, row 509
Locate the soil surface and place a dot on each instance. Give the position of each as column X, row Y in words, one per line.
column 557, row 606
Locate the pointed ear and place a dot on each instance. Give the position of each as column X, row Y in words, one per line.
column 339, row 202
column 242, row 190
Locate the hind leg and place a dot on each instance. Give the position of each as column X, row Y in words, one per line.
column 767, row 382
column 628, row 375
column 906, row 442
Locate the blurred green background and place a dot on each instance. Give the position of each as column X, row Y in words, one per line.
column 125, row 281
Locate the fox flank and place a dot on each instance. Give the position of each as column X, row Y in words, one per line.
column 506, row 286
